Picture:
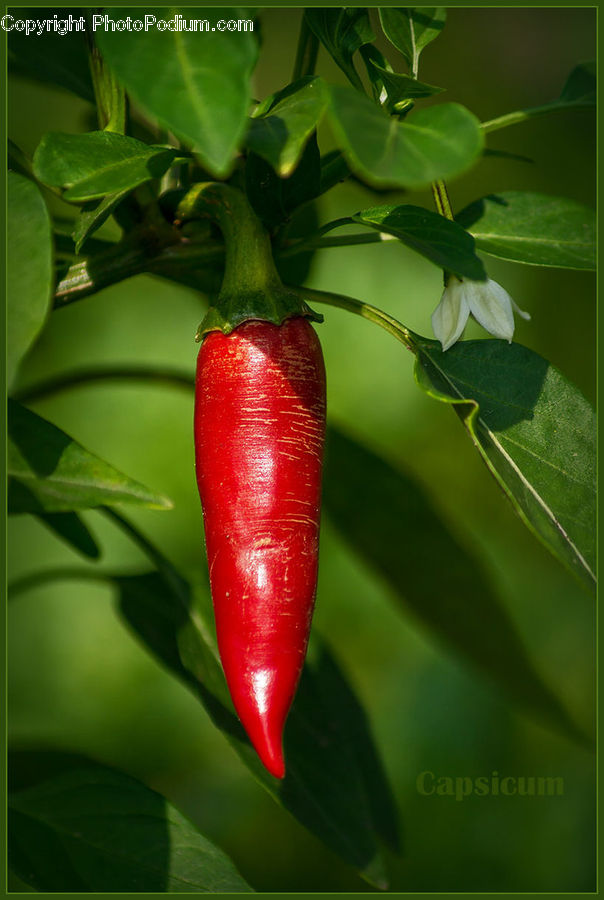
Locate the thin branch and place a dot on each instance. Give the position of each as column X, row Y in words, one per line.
column 36, row 579
column 307, row 52
column 365, row 310
column 523, row 115
column 70, row 380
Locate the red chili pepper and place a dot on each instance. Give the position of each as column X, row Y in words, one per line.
column 259, row 435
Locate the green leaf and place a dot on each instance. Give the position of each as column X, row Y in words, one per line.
column 399, row 88
column 93, row 216
column 51, row 57
column 335, row 784
column 439, row 142
column 50, row 472
column 280, row 134
column 69, row 527
column 342, row 31
column 197, row 85
column 534, row 430
column 533, row 228
column 389, row 520
column 410, row 29
column 580, row 87
column 29, row 284
column 93, row 829
column 441, row 241
column 99, row 163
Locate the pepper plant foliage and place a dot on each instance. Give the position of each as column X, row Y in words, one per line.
column 172, row 114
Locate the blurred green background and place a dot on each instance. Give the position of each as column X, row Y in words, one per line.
column 79, row 681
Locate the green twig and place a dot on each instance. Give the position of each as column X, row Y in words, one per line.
column 366, row 310
column 523, row 115
column 307, row 52
column 29, row 582
column 69, row 380
column 441, row 199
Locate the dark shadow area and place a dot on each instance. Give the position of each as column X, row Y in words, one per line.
column 66, row 826
column 506, row 380
column 39, row 442
column 390, row 521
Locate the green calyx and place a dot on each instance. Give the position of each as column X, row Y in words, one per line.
column 251, row 287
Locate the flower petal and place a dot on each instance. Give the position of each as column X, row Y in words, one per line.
column 450, row 316
column 521, row 312
column 491, row 306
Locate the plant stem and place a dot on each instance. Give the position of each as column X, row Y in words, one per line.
column 306, row 54
column 27, row 582
column 69, row 380
column 522, row 115
column 249, row 264
column 148, row 252
column 441, row 199
column 109, row 95
column 366, row 310
column 319, row 243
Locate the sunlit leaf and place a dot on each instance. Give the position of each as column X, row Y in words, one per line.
column 533, row 228
column 197, row 85
column 438, row 239
column 410, row 29
column 536, row 433
column 92, row 165
column 438, row 142
column 50, row 472
column 280, row 134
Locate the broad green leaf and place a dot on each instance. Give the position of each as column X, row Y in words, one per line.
column 580, row 87
column 69, row 527
column 49, row 472
column 334, row 784
column 342, row 31
column 91, row 218
column 92, row 165
column 280, row 134
column 197, row 85
column 439, row 142
column 93, row 829
column 29, row 282
column 410, row 29
column 51, row 57
column 533, row 228
column 390, row 522
column 535, row 431
column 438, row 239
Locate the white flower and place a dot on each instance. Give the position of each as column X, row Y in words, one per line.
column 487, row 301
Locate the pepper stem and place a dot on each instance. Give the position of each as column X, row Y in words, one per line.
column 251, row 287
